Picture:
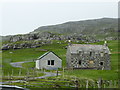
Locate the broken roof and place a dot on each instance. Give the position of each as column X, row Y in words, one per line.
column 74, row 48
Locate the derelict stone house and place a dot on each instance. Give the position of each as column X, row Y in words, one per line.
column 49, row 61
column 88, row 56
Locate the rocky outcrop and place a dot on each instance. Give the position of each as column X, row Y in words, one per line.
column 24, row 44
column 34, row 36
column 89, row 31
column 47, row 36
column 34, row 40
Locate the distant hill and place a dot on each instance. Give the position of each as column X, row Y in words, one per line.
column 87, row 31
column 104, row 28
column 100, row 28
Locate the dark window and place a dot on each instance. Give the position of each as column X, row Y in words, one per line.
column 101, row 63
column 80, row 62
column 52, row 62
column 90, row 53
column 48, row 62
column 79, row 52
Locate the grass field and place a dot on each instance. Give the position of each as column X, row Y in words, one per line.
column 28, row 54
column 105, row 74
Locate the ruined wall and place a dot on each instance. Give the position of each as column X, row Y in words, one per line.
column 95, row 60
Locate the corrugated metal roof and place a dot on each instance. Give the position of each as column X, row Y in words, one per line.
column 75, row 48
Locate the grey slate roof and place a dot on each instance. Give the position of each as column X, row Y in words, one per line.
column 43, row 55
column 75, row 48
column 47, row 54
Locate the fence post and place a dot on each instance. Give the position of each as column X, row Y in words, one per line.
column 99, row 82
column 25, row 84
column 19, row 72
column 63, row 72
column 27, row 76
column 76, row 83
column 114, row 83
column 104, row 84
column 87, row 83
column 118, row 85
column 12, row 74
column 2, row 73
column 33, row 74
column 110, row 83
column 8, row 76
column 57, row 73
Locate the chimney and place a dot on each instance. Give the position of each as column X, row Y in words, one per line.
column 105, row 43
column 69, row 42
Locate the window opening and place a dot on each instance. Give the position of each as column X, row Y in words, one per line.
column 50, row 62
column 80, row 62
column 101, row 63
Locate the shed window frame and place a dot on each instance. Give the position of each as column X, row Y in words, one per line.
column 48, row 62
column 51, row 62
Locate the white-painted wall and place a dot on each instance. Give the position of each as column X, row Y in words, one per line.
column 43, row 62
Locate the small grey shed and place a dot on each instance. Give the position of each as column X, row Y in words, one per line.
column 49, row 61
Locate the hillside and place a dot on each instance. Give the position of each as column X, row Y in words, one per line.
column 87, row 31
column 104, row 27
column 28, row 47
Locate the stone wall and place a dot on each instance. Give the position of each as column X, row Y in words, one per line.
column 84, row 60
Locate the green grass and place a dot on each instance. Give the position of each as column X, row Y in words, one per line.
column 60, row 82
column 33, row 53
column 105, row 74
column 28, row 54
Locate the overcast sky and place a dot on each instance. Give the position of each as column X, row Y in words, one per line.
column 24, row 17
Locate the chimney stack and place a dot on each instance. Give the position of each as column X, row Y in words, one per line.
column 69, row 42
column 105, row 43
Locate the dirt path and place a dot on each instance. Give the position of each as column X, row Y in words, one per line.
column 19, row 64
